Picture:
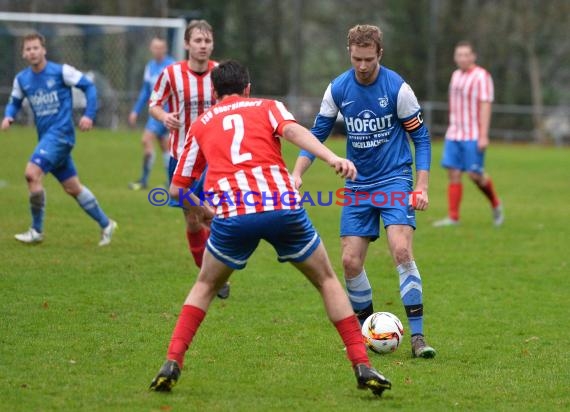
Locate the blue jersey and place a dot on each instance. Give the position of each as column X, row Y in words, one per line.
column 50, row 97
column 151, row 72
column 376, row 117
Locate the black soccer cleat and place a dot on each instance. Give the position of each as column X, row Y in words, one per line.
column 369, row 378
column 224, row 291
column 167, row 377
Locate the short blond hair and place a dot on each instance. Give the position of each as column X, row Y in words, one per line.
column 201, row 25
column 365, row 35
column 34, row 36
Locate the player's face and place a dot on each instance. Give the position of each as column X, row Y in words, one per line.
column 464, row 57
column 200, row 46
column 33, row 52
column 365, row 61
column 158, row 49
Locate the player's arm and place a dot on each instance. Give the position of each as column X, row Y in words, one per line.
column 486, row 96
column 304, row 139
column 74, row 78
column 322, row 128
column 410, row 115
column 484, row 124
column 14, row 105
column 190, row 167
column 161, row 92
column 144, row 95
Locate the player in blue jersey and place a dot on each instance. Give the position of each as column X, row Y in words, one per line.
column 153, row 130
column 47, row 86
column 379, row 108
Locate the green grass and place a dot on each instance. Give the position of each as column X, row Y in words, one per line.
column 86, row 328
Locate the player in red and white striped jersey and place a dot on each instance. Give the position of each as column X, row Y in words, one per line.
column 471, row 94
column 239, row 138
column 187, row 88
column 238, row 183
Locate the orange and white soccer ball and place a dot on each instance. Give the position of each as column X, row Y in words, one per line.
column 382, row 332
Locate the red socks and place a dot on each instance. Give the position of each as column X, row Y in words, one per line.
column 454, row 193
column 197, row 244
column 188, row 323
column 349, row 330
column 489, row 191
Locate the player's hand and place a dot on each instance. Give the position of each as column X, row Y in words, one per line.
column 6, row 123
column 85, row 124
column 482, row 143
column 418, row 199
column 171, row 121
column 133, row 119
column 297, row 181
column 343, row 167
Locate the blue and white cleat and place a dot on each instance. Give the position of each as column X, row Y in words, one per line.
column 30, row 236
column 107, row 233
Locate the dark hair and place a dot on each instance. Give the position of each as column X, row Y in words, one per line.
column 465, row 43
column 34, row 36
column 230, row 77
column 200, row 25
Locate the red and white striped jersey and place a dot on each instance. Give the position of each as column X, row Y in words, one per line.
column 189, row 94
column 466, row 90
column 239, row 140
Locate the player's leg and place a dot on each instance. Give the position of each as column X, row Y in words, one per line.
column 213, row 275
column 34, row 178
column 228, row 249
column 358, row 226
column 453, row 162
column 296, row 240
column 484, row 182
column 147, row 141
column 400, row 242
column 67, row 176
column 163, row 143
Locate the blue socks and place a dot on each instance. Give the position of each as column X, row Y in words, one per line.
column 38, row 207
column 360, row 295
column 411, row 294
column 166, row 161
column 148, row 161
column 88, row 202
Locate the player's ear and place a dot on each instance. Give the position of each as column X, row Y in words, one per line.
column 247, row 90
column 215, row 93
column 380, row 53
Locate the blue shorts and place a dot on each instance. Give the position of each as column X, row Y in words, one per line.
column 362, row 208
column 197, row 187
column 156, row 127
column 463, row 155
column 53, row 155
column 232, row 240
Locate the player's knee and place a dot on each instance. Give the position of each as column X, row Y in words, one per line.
column 351, row 263
column 32, row 177
column 402, row 254
column 477, row 178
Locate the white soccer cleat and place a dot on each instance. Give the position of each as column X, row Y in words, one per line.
column 498, row 215
column 445, row 222
column 30, row 236
column 107, row 233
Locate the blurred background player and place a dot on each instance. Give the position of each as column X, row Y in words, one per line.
column 187, row 88
column 241, row 146
column 47, row 86
column 153, row 130
column 471, row 95
column 378, row 107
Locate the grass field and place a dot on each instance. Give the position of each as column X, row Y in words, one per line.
column 86, row 328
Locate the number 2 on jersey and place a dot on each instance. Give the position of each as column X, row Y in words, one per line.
column 235, row 121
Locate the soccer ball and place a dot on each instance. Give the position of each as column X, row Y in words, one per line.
column 382, row 332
